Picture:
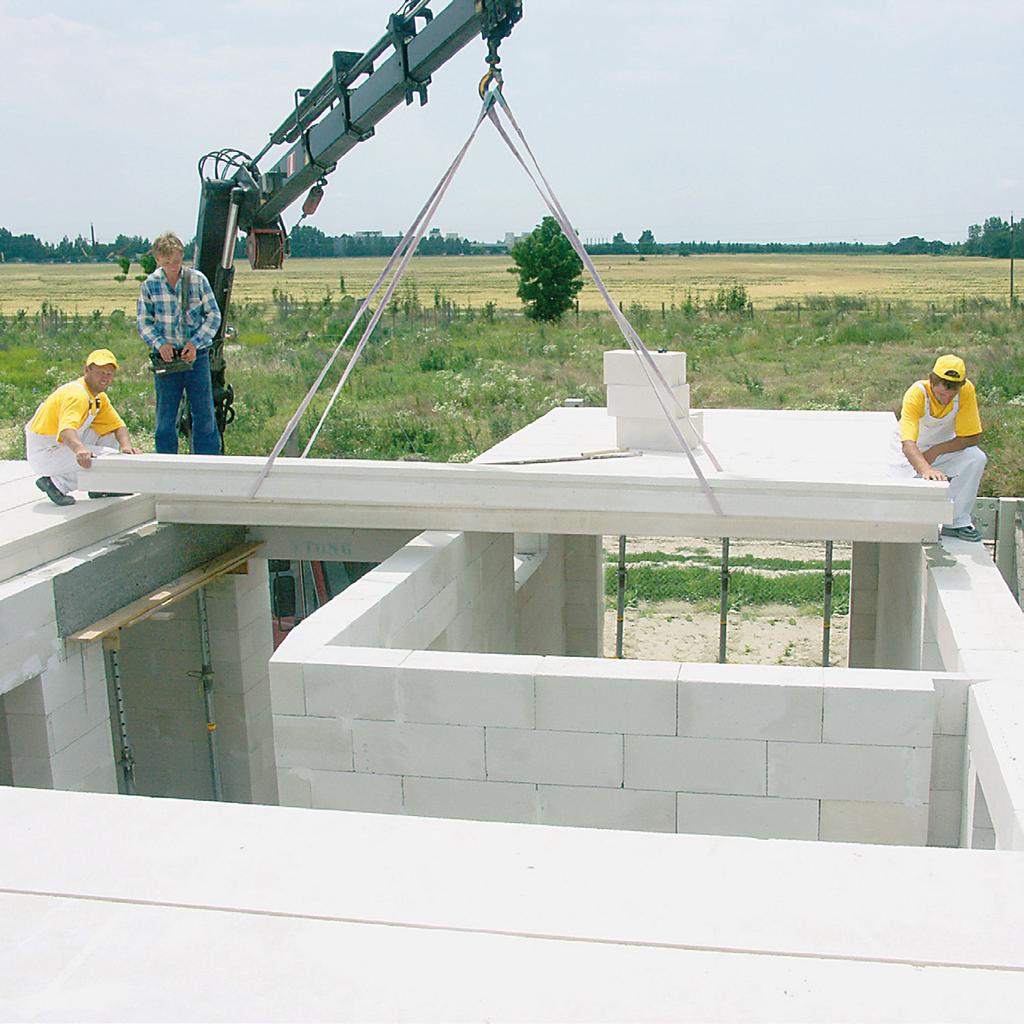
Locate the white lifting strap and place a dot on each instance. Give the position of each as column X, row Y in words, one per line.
column 662, row 389
column 404, row 252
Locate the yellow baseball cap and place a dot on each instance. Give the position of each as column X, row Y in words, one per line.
column 103, row 357
column 950, row 368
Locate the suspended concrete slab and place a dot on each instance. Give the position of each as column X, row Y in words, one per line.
column 788, row 475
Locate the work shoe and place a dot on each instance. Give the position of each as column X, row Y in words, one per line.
column 50, row 489
column 108, row 494
column 968, row 532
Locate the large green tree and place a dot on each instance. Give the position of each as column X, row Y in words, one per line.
column 550, row 272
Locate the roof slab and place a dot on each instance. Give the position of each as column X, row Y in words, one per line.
column 345, row 916
column 788, row 475
column 35, row 531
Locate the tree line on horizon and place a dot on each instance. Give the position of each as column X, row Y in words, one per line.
column 994, row 239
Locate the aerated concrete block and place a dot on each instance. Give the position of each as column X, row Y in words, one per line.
column 944, row 817
column 312, row 743
column 641, row 402
column 293, row 787
column 476, row 801
column 81, row 759
column 948, row 763
column 353, row 682
column 836, row 771
column 951, row 705
column 566, row 758
column 695, row 765
column 623, row 366
column 467, row 689
column 607, row 808
column 595, row 695
column 762, row 817
column 903, row 717
column 432, row 751
column 744, row 710
column 657, row 435
column 351, row 791
column 287, row 689
column 893, row 824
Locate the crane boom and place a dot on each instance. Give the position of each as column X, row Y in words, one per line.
column 327, row 121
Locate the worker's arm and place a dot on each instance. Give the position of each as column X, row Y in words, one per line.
column 145, row 319
column 83, row 456
column 957, row 444
column 124, row 442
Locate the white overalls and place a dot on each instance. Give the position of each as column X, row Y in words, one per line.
column 46, row 455
column 964, row 468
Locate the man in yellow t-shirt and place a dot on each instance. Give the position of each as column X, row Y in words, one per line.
column 72, row 426
column 940, row 427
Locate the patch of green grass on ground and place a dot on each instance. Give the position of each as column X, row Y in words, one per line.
column 697, row 584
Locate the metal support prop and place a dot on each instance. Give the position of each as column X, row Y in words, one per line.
column 723, row 614
column 111, row 662
column 826, row 629
column 302, row 591
column 206, row 677
column 621, row 603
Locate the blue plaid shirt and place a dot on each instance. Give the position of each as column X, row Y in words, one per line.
column 157, row 312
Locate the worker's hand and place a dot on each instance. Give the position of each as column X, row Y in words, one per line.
column 188, row 353
column 166, row 351
column 931, row 473
column 131, row 451
column 84, row 458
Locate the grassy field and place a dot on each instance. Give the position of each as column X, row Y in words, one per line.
column 444, row 380
column 474, row 281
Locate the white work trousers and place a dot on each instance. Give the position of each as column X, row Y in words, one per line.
column 47, row 456
column 964, row 469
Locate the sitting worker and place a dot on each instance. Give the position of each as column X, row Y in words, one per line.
column 72, row 426
column 939, row 428
column 177, row 317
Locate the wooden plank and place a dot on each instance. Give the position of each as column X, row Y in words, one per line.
column 142, row 609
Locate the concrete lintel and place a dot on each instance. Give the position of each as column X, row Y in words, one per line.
column 512, row 520
column 590, row 499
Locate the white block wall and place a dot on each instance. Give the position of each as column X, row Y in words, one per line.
column 975, row 628
column 53, row 701
column 742, row 750
column 57, row 727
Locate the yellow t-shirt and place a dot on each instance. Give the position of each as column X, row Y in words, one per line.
column 69, row 406
column 968, row 420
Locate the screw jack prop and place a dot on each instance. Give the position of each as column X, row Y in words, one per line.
column 112, row 666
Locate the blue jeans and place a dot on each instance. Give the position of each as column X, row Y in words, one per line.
column 196, row 383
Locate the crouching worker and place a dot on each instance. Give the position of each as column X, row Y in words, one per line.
column 940, row 427
column 76, row 423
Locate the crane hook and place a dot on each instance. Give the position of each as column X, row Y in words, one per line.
column 493, row 77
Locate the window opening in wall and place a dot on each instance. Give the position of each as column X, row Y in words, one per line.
column 299, row 588
column 727, row 600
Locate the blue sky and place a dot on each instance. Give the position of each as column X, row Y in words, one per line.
column 712, row 119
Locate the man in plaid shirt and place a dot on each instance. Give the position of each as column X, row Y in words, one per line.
column 184, row 334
